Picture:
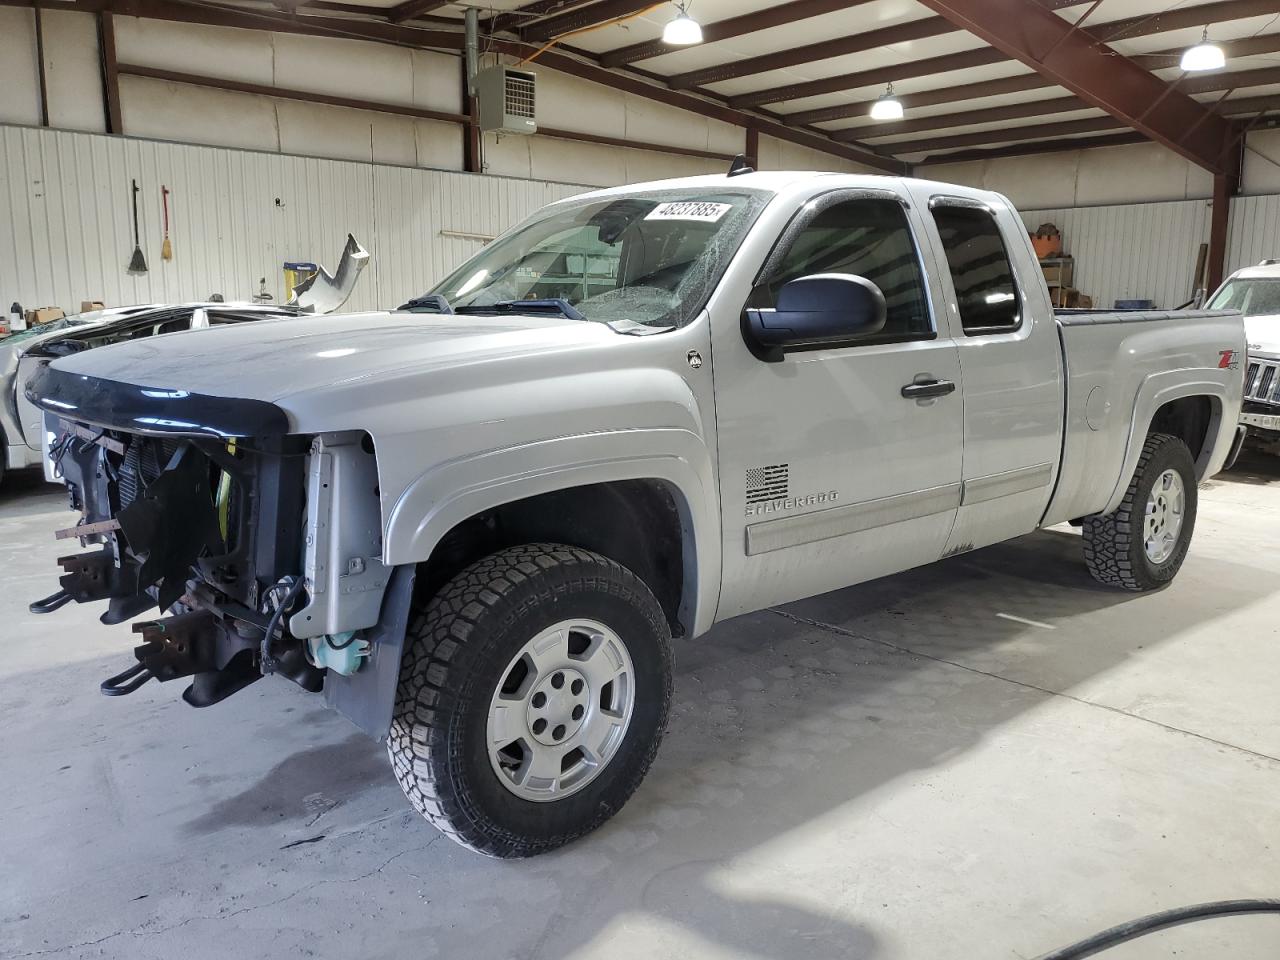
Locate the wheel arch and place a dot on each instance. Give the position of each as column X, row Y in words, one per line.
column 1189, row 410
column 627, row 495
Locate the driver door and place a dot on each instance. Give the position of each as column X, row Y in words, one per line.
column 830, row 474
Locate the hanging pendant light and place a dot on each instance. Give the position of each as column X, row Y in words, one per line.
column 683, row 30
column 1205, row 55
column 887, row 106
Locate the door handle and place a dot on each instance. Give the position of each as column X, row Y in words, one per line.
column 927, row 389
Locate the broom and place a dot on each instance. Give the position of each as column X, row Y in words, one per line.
column 137, row 263
column 166, row 248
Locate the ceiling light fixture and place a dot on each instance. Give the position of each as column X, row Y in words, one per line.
column 1203, row 56
column 887, row 106
column 683, row 30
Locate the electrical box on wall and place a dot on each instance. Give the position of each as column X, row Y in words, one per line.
column 505, row 97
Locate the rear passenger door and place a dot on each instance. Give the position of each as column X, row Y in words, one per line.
column 1010, row 360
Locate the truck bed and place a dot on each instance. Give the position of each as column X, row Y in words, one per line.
column 1121, row 367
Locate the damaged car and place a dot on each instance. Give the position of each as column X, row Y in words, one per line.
column 23, row 442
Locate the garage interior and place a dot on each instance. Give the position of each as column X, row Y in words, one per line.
column 989, row 756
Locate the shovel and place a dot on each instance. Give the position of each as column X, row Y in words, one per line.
column 137, row 263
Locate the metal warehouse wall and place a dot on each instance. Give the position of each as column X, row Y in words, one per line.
column 235, row 216
column 1132, row 251
column 1254, row 232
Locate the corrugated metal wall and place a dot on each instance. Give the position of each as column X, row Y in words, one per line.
column 1254, row 231
column 1144, row 251
column 66, row 230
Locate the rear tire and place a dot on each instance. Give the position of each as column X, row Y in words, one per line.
column 1136, row 546
column 462, row 691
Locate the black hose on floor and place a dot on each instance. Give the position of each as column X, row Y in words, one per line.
column 1133, row 929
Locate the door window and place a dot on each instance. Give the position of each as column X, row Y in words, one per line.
column 869, row 238
column 980, row 269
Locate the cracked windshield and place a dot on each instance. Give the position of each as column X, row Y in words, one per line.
column 647, row 259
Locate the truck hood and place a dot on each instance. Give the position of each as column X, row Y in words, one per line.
column 273, row 362
column 1263, row 334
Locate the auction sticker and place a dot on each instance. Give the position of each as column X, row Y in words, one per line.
column 705, row 210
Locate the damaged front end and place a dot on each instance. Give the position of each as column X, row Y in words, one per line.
column 263, row 548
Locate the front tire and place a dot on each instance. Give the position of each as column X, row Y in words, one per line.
column 1141, row 544
column 533, row 694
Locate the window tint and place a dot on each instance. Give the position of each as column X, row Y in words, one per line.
column 980, row 269
column 867, row 238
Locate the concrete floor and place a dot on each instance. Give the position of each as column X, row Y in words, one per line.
column 988, row 758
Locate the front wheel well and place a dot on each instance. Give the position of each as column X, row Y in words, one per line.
column 637, row 523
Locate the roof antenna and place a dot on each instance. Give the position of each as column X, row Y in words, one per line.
column 740, row 165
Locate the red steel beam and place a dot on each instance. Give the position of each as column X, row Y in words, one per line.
column 522, row 16
column 1040, row 131
column 878, row 76
column 1180, row 18
column 412, row 8
column 766, row 19
column 836, row 47
column 110, row 72
column 591, row 15
column 823, row 50
column 1034, row 147
column 1226, row 184
column 1207, row 83
column 1026, row 31
column 1234, row 49
column 284, row 93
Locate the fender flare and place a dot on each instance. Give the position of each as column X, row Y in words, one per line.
column 1153, row 393
column 678, row 457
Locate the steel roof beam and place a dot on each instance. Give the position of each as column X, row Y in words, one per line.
column 1206, row 83
column 1041, row 131
column 1129, row 27
column 592, row 15
column 1073, row 58
column 766, row 19
column 1234, row 49
column 413, row 8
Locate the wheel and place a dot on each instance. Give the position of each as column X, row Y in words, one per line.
column 533, row 695
column 1142, row 543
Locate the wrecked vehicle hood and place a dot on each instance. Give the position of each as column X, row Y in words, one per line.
column 291, row 362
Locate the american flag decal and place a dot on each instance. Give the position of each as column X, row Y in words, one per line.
column 767, row 483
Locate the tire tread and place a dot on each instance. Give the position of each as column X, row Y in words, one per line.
column 424, row 763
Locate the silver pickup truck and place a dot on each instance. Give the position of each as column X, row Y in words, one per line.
column 475, row 523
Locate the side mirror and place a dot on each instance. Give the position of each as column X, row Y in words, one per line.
column 822, row 310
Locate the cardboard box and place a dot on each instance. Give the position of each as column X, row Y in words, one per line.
column 87, row 305
column 44, row 315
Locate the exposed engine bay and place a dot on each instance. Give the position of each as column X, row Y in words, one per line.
column 274, row 566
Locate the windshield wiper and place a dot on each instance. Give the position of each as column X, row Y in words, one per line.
column 432, row 300
column 554, row 306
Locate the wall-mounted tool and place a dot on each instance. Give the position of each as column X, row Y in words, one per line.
column 166, row 248
column 137, row 263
